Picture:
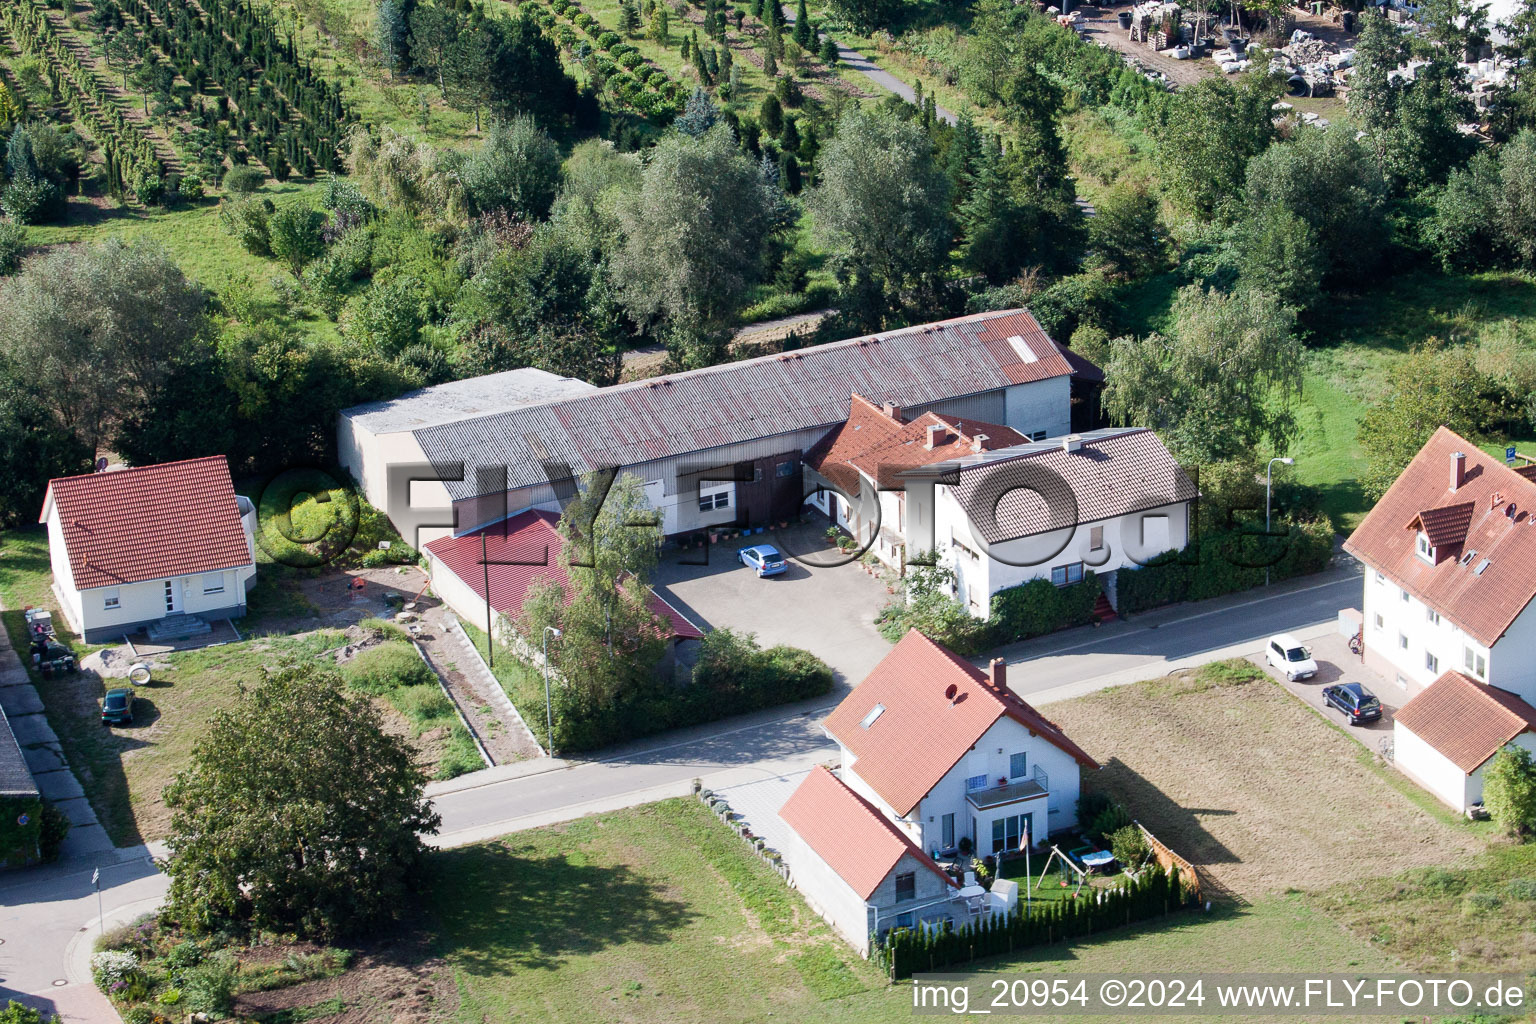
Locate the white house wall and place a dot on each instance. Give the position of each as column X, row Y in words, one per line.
column 1399, row 632
column 827, row 893
column 63, row 574
column 1512, row 664
column 1428, row 767
column 144, row 602
column 982, row 570
column 925, row 824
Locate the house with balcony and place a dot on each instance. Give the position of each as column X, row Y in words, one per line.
column 163, row 548
column 1446, row 611
column 935, row 755
column 1102, row 502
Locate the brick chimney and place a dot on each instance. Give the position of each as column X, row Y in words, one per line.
column 1458, row 470
column 934, row 430
column 999, row 672
column 892, row 411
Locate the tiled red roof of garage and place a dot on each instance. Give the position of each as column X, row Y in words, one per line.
column 1485, row 603
column 523, row 551
column 149, row 522
column 922, row 734
column 856, row 840
column 1465, row 720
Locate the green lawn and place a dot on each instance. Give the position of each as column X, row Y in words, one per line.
column 1475, row 918
column 659, row 913
column 193, row 235
column 124, row 769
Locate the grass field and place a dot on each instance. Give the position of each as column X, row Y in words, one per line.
column 660, row 914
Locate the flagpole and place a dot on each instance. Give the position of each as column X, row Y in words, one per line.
column 101, row 917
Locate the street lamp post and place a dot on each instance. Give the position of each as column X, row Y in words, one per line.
column 549, row 714
column 1268, row 483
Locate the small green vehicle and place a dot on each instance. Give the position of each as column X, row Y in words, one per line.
column 117, row 707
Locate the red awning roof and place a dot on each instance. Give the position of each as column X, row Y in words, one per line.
column 522, row 551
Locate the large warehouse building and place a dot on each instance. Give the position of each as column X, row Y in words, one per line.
column 719, row 445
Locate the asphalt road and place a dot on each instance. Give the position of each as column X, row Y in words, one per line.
column 48, row 916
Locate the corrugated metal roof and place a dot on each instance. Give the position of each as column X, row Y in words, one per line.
column 630, row 424
column 464, row 399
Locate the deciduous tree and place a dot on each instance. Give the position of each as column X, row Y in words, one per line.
column 298, row 812
column 1509, row 790
column 1220, row 384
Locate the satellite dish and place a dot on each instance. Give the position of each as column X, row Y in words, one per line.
column 101, row 464
column 950, row 691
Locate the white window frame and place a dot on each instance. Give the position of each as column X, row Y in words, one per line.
column 111, row 600
column 1431, row 616
column 1425, row 549
column 1096, row 538
column 1022, row 774
column 716, row 499
column 219, row 588
column 1431, row 663
column 1066, row 571
column 1380, row 622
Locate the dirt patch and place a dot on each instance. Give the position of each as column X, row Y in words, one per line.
column 395, row 981
column 1252, row 786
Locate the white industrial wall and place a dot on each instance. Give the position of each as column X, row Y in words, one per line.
column 1040, row 405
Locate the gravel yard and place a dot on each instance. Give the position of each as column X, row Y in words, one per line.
column 1254, row 787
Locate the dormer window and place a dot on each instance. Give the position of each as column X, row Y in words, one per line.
column 1426, row 549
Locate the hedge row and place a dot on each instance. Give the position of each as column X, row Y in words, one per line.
column 1221, row 563
column 1039, row 607
column 906, row 951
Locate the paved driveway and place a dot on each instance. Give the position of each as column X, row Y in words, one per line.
column 1336, row 665
column 827, row 609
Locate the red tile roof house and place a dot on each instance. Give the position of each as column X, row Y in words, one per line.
column 520, row 552
column 1106, row 501
column 933, row 750
column 858, row 467
column 164, row 547
column 1448, row 554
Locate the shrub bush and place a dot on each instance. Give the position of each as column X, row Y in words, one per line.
column 1129, row 846
column 244, row 179
column 1477, row 903
column 630, row 59
column 1221, row 563
column 210, row 986
column 112, row 968
column 55, row 829
column 937, row 616
column 13, row 246
column 608, row 40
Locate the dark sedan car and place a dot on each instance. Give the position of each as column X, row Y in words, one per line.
column 1358, row 704
column 117, row 707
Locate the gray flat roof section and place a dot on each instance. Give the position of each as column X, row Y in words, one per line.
column 463, row 399
column 664, row 417
column 15, row 777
